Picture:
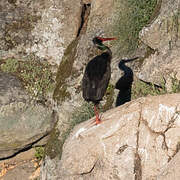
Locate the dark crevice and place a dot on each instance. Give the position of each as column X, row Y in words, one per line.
column 121, row 149
column 26, row 148
column 176, row 151
column 90, row 170
column 137, row 167
column 137, row 158
column 84, row 17
column 152, row 84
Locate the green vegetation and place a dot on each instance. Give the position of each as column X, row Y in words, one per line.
column 132, row 16
column 141, row 89
column 54, row 145
column 40, row 153
column 175, row 85
column 10, row 65
column 35, row 75
column 85, row 112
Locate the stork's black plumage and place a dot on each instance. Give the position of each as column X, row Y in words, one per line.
column 97, row 74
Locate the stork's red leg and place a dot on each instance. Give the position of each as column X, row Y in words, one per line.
column 98, row 120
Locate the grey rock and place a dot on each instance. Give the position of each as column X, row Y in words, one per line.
column 10, row 89
column 163, row 36
column 43, row 28
column 23, row 122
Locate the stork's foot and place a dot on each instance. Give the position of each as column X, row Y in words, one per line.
column 98, row 121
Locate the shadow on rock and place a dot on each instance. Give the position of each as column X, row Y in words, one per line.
column 124, row 84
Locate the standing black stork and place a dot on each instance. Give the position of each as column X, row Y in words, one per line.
column 97, row 75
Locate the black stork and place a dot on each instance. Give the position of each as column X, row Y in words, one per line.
column 97, row 75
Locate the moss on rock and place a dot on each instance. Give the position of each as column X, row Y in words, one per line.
column 54, row 146
column 64, row 71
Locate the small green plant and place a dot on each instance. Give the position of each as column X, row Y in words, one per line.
column 11, row 65
column 175, row 85
column 40, row 153
column 84, row 113
column 109, row 88
column 132, row 16
column 35, row 75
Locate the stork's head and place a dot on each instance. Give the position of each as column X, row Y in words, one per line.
column 98, row 42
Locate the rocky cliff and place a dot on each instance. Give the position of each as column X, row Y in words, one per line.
column 50, row 40
column 134, row 141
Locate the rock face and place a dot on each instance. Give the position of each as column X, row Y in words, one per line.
column 134, row 141
column 98, row 20
column 163, row 36
column 171, row 171
column 22, row 122
column 123, row 151
column 44, row 28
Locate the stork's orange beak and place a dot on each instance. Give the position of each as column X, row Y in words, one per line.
column 106, row 39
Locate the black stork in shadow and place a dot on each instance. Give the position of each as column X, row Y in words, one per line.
column 97, row 75
column 124, row 84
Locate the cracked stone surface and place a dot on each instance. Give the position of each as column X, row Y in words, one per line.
column 134, row 141
column 162, row 35
column 171, row 171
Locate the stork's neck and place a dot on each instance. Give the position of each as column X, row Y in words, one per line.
column 105, row 49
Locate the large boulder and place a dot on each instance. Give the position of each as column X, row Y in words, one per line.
column 23, row 122
column 44, row 28
column 162, row 35
column 134, row 141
